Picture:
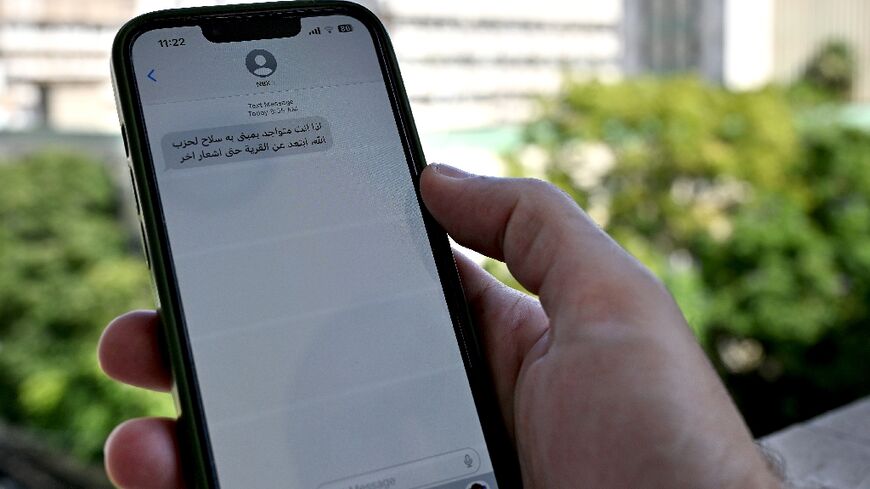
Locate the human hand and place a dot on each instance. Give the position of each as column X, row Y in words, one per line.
column 601, row 383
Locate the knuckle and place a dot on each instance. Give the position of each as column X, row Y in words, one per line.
column 540, row 187
column 524, row 229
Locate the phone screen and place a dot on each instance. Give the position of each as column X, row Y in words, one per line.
column 320, row 335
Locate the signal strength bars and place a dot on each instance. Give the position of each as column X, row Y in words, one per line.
column 316, row 31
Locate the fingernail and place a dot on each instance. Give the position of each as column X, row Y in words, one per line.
column 450, row 171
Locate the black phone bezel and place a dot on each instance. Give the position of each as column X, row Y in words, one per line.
column 193, row 434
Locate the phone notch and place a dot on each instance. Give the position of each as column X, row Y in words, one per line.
column 255, row 27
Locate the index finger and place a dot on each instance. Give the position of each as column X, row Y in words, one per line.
column 549, row 244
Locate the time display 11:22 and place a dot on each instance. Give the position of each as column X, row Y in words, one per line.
column 170, row 43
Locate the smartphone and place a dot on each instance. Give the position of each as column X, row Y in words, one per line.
column 313, row 314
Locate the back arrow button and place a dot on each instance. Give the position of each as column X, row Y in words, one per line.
column 151, row 76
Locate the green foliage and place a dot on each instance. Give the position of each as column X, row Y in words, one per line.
column 760, row 228
column 832, row 70
column 827, row 79
column 68, row 267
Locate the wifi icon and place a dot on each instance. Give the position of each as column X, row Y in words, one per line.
column 316, row 31
column 328, row 29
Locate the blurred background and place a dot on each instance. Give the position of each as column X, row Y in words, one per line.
column 725, row 143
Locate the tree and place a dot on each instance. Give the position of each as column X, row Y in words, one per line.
column 759, row 227
column 832, row 70
column 68, row 266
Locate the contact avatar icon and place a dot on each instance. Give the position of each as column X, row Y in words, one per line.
column 261, row 63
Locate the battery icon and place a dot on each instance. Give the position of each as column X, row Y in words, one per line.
column 345, row 28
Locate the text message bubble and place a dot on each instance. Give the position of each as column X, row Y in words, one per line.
column 229, row 144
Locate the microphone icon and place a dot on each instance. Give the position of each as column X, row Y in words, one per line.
column 468, row 460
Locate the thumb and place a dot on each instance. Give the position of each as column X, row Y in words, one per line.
column 549, row 244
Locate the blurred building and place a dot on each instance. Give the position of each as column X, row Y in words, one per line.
column 802, row 25
column 53, row 63
column 744, row 43
column 485, row 63
column 487, row 60
column 466, row 65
